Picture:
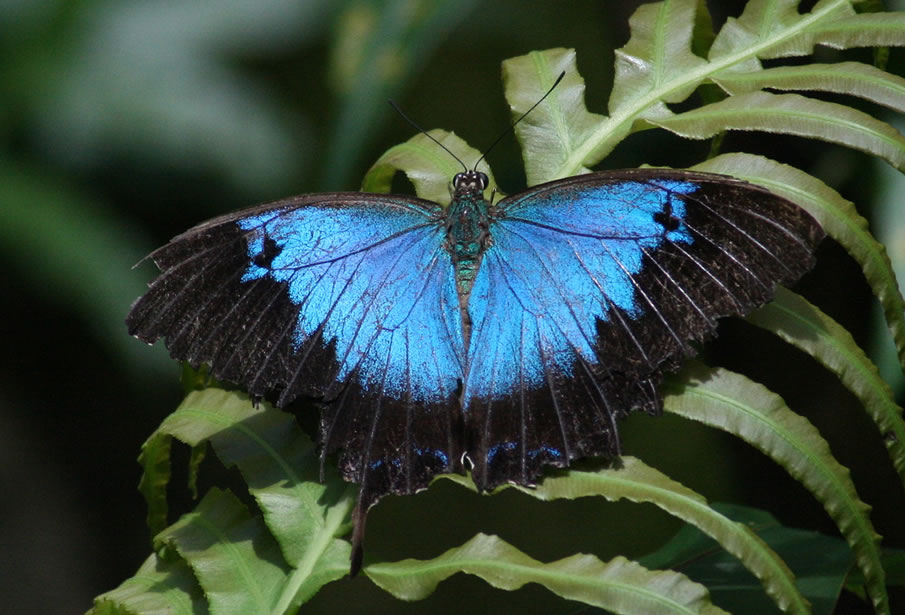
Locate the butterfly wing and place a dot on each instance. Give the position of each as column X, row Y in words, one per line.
column 596, row 285
column 345, row 297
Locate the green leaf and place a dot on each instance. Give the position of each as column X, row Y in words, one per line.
column 658, row 51
column 772, row 29
column 657, row 67
column 159, row 587
column 850, row 78
column 551, row 131
column 426, row 164
column 777, row 28
column 731, row 586
column 748, row 410
column 237, row 563
column 620, row 586
column 837, row 216
column 893, row 563
column 638, row 482
column 803, row 325
column 864, row 30
column 280, row 466
column 155, row 476
column 795, row 115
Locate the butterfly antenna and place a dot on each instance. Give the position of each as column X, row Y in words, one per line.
column 521, row 117
column 426, row 134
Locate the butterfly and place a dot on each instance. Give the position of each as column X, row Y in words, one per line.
column 498, row 338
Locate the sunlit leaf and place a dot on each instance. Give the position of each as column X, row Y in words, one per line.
column 553, row 129
column 279, row 463
column 235, row 561
column 795, row 115
column 620, row 586
column 159, row 587
column 851, row 78
column 426, row 164
column 658, row 51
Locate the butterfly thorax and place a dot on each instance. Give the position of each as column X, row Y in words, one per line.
column 467, row 228
column 467, row 233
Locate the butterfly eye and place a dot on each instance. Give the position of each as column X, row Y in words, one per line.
column 471, row 181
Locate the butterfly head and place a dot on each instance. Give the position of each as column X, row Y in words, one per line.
column 470, row 182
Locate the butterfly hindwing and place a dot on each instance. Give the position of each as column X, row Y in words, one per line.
column 595, row 286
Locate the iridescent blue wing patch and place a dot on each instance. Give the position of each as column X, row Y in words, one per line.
column 593, row 287
column 343, row 297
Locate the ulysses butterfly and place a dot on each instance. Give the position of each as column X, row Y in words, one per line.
column 498, row 338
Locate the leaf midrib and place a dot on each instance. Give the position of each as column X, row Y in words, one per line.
column 628, row 112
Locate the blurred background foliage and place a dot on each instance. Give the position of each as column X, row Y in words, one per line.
column 124, row 123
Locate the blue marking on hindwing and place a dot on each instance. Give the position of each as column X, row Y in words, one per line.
column 548, row 452
column 496, row 449
column 380, row 285
column 431, row 453
column 437, row 454
column 561, row 260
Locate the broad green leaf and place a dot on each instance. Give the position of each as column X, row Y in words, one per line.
column 748, row 410
column 733, row 587
column 427, row 165
column 620, row 586
column 159, row 587
column 795, row 115
column 803, row 325
column 280, row 466
column 550, row 132
column 837, row 216
column 276, row 459
column 235, row 560
column 658, row 51
column 851, row 78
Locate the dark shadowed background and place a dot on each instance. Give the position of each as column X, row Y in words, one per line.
column 124, row 123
